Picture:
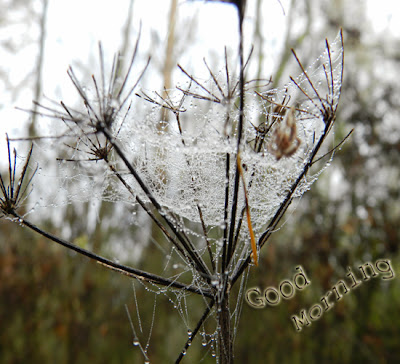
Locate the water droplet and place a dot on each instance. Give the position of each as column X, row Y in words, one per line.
column 114, row 104
column 135, row 342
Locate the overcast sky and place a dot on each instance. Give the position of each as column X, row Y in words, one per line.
column 74, row 27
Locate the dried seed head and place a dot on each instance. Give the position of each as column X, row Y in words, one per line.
column 285, row 141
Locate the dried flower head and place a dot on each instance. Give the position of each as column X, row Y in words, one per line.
column 285, row 141
column 15, row 193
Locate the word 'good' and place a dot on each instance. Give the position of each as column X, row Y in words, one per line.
column 315, row 312
column 272, row 296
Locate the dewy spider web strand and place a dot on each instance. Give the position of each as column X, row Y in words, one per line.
column 328, row 119
column 328, row 115
column 202, row 163
column 102, row 123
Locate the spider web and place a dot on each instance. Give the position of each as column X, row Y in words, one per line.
column 187, row 170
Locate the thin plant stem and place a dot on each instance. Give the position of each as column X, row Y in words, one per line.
column 131, row 272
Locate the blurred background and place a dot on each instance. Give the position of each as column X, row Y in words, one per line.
column 58, row 307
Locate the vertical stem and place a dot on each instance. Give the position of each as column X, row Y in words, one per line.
column 126, row 34
column 39, row 67
column 169, row 54
column 240, row 7
column 224, row 330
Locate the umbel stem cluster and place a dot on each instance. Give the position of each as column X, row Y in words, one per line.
column 218, row 264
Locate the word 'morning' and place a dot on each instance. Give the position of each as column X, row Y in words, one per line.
column 272, row 296
column 316, row 311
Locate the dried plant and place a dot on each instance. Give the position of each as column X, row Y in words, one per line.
column 14, row 194
column 197, row 184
